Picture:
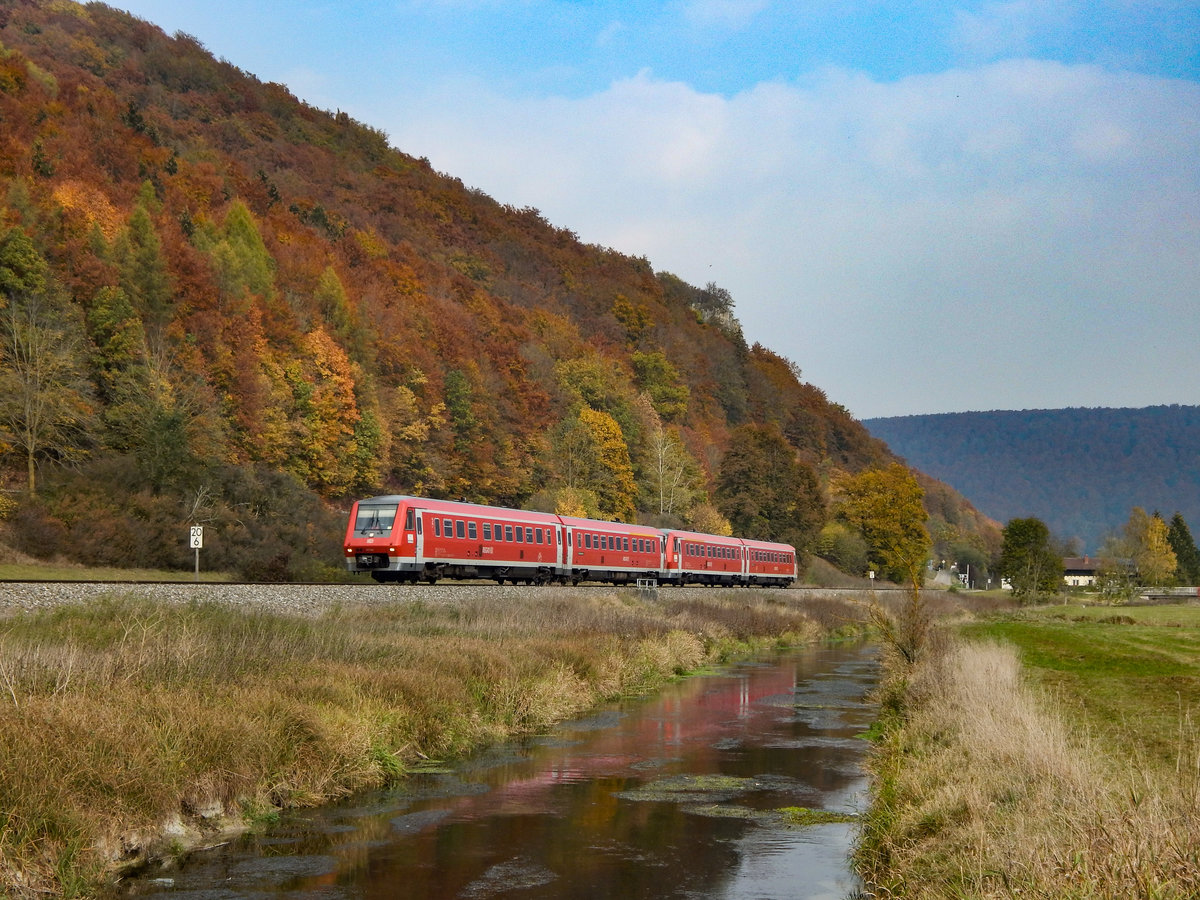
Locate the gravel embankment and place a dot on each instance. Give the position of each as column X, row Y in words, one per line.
column 306, row 599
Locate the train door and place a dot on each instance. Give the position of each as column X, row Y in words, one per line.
column 419, row 552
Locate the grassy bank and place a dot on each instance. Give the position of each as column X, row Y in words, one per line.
column 1047, row 754
column 129, row 727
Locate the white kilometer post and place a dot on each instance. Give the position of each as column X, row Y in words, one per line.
column 197, row 541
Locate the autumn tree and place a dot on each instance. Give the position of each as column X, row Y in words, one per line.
column 1143, row 544
column 611, row 477
column 319, row 441
column 765, row 491
column 143, row 269
column 1028, row 560
column 671, row 478
column 44, row 393
column 635, row 318
column 707, row 519
column 145, row 413
column 885, row 507
column 674, row 476
column 1187, row 556
column 662, row 383
column 1155, row 559
column 591, row 455
column 844, row 546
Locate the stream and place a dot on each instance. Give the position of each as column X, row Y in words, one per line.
column 681, row 795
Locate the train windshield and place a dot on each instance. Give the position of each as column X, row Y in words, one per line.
column 375, row 519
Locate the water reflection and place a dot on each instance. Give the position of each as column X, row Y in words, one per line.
column 677, row 796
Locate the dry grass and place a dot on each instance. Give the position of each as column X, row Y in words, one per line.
column 128, row 724
column 982, row 791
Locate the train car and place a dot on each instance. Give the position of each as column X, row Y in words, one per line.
column 401, row 538
column 695, row 558
column 769, row 563
column 611, row 551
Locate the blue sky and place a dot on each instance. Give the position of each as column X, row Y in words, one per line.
column 928, row 206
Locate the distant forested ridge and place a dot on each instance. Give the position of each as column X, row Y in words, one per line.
column 1079, row 470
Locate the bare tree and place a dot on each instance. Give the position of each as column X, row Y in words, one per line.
column 44, row 391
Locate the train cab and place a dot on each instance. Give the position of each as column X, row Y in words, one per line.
column 381, row 538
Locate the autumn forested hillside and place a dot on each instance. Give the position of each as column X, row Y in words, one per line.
column 224, row 306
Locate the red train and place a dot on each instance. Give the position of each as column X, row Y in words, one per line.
column 399, row 538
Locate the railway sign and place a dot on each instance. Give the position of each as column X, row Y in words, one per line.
column 196, row 541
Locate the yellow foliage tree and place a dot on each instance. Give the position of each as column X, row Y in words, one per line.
column 885, row 506
column 610, row 474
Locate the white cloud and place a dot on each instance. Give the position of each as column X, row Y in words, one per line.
column 1015, row 235
column 1007, row 28
column 730, row 14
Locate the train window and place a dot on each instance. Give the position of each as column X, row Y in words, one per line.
column 448, row 527
column 487, row 531
column 508, row 532
column 625, row 543
column 538, row 534
column 408, row 520
column 375, row 518
column 437, row 527
column 471, row 532
column 419, row 521
column 587, row 541
column 460, row 529
column 529, row 535
column 520, row 535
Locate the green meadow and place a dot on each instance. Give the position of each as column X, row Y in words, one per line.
column 1044, row 753
column 1130, row 674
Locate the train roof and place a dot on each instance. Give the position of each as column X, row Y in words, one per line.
column 464, row 508
column 732, row 541
column 600, row 524
column 504, row 513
